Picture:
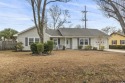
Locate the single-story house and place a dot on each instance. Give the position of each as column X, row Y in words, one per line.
column 117, row 39
column 71, row 38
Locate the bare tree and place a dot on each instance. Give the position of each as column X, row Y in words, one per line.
column 114, row 9
column 109, row 29
column 70, row 26
column 59, row 17
column 78, row 26
column 120, row 31
column 39, row 9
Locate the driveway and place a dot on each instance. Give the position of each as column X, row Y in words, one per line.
column 115, row 50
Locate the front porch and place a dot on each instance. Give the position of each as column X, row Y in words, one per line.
column 59, row 43
column 70, row 43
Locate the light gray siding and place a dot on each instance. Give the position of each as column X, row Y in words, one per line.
column 30, row 34
column 95, row 42
column 74, row 43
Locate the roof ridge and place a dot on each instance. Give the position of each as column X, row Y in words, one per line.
column 60, row 32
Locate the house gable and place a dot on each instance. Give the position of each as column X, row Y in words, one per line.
column 117, row 37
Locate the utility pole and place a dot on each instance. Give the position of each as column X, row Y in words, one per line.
column 84, row 19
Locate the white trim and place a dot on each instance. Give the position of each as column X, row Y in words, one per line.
column 56, row 46
column 25, row 30
column 33, row 39
column 75, row 36
column 84, row 41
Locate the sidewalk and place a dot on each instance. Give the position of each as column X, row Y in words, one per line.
column 115, row 50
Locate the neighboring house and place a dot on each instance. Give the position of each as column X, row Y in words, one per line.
column 117, row 39
column 71, row 38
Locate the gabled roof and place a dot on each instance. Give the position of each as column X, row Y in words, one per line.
column 121, row 34
column 24, row 31
column 71, row 32
column 53, row 32
column 81, row 32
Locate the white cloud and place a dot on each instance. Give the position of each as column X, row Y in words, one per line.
column 2, row 4
column 93, row 6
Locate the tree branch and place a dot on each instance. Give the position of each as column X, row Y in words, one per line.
column 58, row 1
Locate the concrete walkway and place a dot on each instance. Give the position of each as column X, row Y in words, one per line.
column 115, row 50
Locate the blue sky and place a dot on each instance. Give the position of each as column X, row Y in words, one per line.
column 17, row 14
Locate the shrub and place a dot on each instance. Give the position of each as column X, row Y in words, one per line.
column 89, row 47
column 80, row 47
column 46, row 48
column 40, row 48
column 101, row 48
column 94, row 48
column 64, row 48
column 116, row 46
column 19, row 46
column 50, row 46
column 33, row 48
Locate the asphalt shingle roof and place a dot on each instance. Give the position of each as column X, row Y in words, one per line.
column 75, row 32
column 53, row 32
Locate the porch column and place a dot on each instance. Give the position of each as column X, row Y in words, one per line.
column 65, row 42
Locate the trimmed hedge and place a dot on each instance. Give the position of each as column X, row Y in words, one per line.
column 89, row 47
column 33, row 48
column 50, row 45
column 116, row 46
column 40, row 48
column 95, row 48
column 102, row 48
column 46, row 48
column 80, row 47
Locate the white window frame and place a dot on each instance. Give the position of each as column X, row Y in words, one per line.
column 29, row 41
column 84, row 41
column 56, row 41
column 80, row 41
column 33, row 40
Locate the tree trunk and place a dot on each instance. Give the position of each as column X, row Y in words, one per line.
column 120, row 18
column 122, row 23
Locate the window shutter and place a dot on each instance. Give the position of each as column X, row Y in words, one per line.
column 78, row 41
column 116, row 42
column 89, row 41
column 26, row 41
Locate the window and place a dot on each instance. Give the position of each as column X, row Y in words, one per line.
column 81, row 41
column 37, row 40
column 84, row 41
column 55, row 41
column 31, row 40
column 122, row 41
column 114, row 42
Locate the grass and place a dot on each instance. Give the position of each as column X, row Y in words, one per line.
column 69, row 66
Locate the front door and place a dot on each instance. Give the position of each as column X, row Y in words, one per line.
column 68, row 43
